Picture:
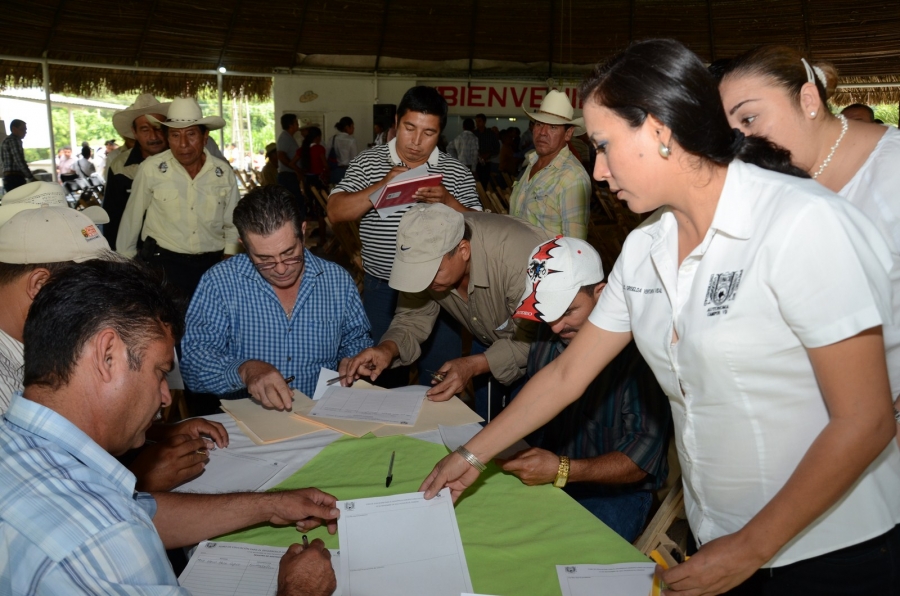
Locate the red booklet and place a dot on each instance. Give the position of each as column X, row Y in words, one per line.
column 400, row 191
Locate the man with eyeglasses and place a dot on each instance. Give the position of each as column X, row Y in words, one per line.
column 273, row 313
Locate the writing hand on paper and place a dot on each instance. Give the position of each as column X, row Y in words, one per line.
column 433, row 194
column 453, row 472
column 395, row 171
column 306, row 508
column 163, row 466
column 306, row 571
column 456, row 375
column 532, row 466
column 718, row 566
column 194, row 428
column 368, row 363
column 266, row 385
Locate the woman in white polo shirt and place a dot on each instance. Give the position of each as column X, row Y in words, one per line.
column 757, row 299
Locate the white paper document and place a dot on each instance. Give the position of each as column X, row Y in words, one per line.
column 325, row 375
column 401, row 544
column 228, row 472
column 621, row 579
column 395, row 406
column 238, row 569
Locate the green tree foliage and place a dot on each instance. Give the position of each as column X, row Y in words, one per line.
column 887, row 113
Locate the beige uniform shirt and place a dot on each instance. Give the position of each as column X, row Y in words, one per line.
column 500, row 248
column 184, row 215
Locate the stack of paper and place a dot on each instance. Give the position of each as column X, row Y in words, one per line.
column 391, row 406
column 402, row 544
column 621, row 579
column 267, row 426
column 233, row 568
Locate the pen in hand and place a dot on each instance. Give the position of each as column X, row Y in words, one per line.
column 390, row 476
column 305, row 541
column 290, row 379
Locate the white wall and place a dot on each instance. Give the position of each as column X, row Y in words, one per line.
column 338, row 96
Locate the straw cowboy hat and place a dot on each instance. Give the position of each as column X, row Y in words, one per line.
column 557, row 109
column 40, row 194
column 143, row 105
column 184, row 112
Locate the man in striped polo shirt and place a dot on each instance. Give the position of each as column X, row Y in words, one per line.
column 421, row 116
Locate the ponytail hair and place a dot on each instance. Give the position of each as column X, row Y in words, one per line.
column 663, row 78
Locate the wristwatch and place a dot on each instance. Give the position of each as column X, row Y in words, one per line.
column 562, row 476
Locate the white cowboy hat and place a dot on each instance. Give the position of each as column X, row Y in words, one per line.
column 39, row 194
column 184, row 112
column 143, row 105
column 557, row 109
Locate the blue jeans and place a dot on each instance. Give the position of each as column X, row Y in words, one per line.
column 445, row 343
column 500, row 394
column 624, row 513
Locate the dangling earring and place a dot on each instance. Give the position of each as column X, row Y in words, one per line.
column 664, row 151
column 812, row 114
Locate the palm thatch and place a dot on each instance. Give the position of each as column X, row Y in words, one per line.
column 536, row 39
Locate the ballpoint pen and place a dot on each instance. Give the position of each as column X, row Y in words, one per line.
column 290, row 379
column 305, row 541
column 390, row 476
column 436, row 376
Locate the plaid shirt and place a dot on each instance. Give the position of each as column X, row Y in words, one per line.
column 622, row 410
column 70, row 521
column 235, row 316
column 466, row 147
column 12, row 157
column 557, row 198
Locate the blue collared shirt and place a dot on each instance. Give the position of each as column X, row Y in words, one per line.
column 70, row 519
column 235, row 316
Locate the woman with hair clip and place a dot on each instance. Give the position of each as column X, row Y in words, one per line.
column 757, row 298
column 773, row 92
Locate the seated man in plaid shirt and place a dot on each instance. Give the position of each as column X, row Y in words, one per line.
column 608, row 449
column 273, row 313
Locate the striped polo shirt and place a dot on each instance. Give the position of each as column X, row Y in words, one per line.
column 379, row 236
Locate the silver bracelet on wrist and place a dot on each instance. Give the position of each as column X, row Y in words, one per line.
column 473, row 461
column 896, row 414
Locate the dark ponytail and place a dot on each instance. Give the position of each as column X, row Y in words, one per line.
column 664, row 78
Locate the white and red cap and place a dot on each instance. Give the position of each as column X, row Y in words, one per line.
column 557, row 270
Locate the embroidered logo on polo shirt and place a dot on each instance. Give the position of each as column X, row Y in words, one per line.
column 163, row 167
column 722, row 288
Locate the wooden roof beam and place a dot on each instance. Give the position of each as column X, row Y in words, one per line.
column 228, row 33
column 472, row 35
column 151, row 10
column 52, row 33
column 384, row 21
column 804, row 8
column 299, row 33
column 712, row 31
column 550, row 39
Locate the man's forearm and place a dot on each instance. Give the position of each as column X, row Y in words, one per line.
column 185, row 519
column 610, row 468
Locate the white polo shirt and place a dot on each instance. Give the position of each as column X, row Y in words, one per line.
column 786, row 265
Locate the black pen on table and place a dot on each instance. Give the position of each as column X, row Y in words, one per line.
column 390, row 476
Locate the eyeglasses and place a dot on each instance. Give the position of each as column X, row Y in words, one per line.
column 289, row 262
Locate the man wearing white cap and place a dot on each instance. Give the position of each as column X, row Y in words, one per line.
column 607, row 449
column 187, row 196
column 131, row 123
column 471, row 265
column 35, row 242
column 554, row 191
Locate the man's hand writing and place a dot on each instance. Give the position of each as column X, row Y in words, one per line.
column 368, row 363
column 306, row 571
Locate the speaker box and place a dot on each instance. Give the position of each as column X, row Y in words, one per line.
column 384, row 113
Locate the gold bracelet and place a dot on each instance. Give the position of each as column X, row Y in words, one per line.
column 562, row 476
column 469, row 457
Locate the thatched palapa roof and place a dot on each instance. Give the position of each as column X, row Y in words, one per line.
column 535, row 39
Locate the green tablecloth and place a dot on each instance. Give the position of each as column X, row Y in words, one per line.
column 514, row 535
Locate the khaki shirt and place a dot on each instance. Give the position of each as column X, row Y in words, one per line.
column 497, row 276
column 189, row 216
